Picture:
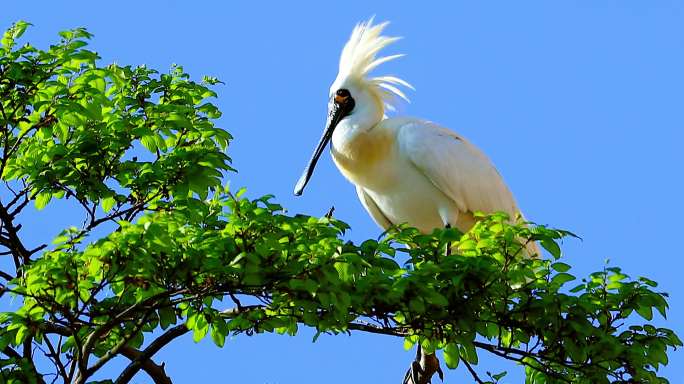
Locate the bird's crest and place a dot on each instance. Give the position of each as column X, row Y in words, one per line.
column 359, row 58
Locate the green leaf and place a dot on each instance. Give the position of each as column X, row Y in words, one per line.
column 19, row 28
column 149, row 142
column 451, row 356
column 108, row 204
column 409, row 343
column 14, row 32
column 417, row 305
column 201, row 328
column 219, row 330
column 42, row 200
column 645, row 311
column 22, row 334
column 562, row 278
column 648, row 282
column 343, row 271
column 552, row 247
column 560, row 267
column 167, row 317
column 468, row 353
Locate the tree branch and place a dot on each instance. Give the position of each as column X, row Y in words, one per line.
column 114, row 351
column 472, row 372
column 142, row 359
column 11, row 353
column 57, row 360
column 374, row 329
column 95, row 335
column 148, row 352
column 20, row 253
column 155, row 371
column 6, row 275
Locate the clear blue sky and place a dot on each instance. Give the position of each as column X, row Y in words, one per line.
column 579, row 104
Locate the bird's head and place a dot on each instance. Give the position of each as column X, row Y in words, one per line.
column 354, row 94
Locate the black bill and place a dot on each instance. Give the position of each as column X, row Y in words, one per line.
column 337, row 111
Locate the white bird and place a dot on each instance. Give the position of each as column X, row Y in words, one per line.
column 406, row 170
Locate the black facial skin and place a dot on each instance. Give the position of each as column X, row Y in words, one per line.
column 340, row 106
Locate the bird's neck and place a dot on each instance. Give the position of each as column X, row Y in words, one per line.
column 360, row 143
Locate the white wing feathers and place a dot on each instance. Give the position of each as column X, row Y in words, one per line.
column 456, row 167
column 373, row 209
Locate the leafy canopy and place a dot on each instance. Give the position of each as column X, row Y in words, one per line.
column 139, row 153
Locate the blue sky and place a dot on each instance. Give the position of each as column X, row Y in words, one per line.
column 579, row 104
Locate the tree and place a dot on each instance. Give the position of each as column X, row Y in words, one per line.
column 165, row 249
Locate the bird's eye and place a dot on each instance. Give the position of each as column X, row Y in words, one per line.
column 342, row 96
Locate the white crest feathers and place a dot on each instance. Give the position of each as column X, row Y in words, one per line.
column 359, row 58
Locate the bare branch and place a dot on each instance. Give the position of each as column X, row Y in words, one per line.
column 55, row 357
column 473, row 373
column 145, row 355
column 83, row 376
column 155, row 371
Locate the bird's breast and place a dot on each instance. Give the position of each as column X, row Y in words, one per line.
column 366, row 158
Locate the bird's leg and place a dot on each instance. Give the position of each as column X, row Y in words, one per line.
column 423, row 368
column 448, row 247
column 425, row 365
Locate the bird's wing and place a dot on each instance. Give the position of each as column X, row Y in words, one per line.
column 373, row 209
column 456, row 167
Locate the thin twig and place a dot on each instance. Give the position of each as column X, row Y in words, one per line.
column 472, row 372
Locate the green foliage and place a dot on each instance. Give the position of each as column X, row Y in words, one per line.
column 73, row 125
column 139, row 150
